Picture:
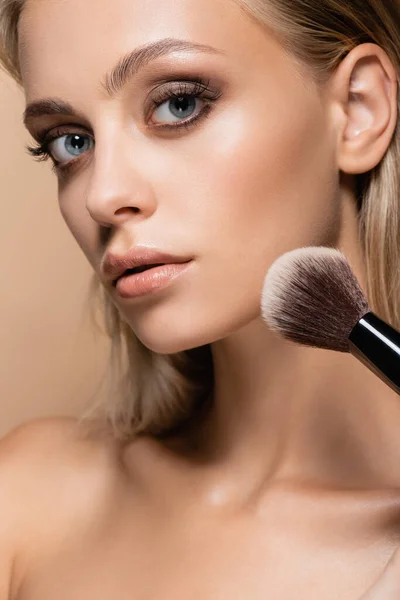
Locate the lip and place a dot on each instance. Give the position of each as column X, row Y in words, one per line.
column 150, row 281
column 114, row 265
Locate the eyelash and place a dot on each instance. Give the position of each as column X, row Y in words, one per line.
column 196, row 88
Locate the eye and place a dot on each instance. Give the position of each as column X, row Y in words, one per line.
column 69, row 146
column 179, row 107
column 179, row 101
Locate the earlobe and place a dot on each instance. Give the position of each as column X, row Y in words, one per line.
column 368, row 88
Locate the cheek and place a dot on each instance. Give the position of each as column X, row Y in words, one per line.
column 80, row 224
column 274, row 188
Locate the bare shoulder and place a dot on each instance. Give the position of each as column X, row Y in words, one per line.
column 41, row 460
column 32, row 448
column 34, row 436
column 55, row 473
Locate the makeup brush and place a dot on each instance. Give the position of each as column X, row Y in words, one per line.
column 312, row 297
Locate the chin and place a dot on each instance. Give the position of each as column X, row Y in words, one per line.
column 175, row 344
column 173, row 341
column 169, row 328
column 173, row 337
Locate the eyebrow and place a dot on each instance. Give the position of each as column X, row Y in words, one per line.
column 127, row 67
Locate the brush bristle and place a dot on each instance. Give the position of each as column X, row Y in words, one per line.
column 312, row 297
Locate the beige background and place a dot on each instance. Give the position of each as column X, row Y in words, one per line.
column 51, row 359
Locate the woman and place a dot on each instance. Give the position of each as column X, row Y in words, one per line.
column 212, row 137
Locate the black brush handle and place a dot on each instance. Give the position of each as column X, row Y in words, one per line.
column 377, row 345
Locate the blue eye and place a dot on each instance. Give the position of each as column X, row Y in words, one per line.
column 69, row 146
column 61, row 146
column 183, row 107
column 180, row 99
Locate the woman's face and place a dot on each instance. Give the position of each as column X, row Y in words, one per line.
column 254, row 176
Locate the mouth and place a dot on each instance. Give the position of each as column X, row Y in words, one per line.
column 136, row 270
column 148, row 279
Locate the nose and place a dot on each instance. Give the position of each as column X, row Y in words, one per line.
column 119, row 188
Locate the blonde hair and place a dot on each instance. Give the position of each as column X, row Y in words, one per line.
column 154, row 393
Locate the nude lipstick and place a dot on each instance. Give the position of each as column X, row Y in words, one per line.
column 142, row 270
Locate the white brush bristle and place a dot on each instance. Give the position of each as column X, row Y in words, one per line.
column 312, row 297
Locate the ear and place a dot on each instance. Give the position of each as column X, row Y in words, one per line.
column 365, row 91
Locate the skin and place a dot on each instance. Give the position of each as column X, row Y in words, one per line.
column 289, row 486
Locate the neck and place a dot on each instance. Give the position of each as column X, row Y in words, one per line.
column 288, row 412
column 282, row 411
